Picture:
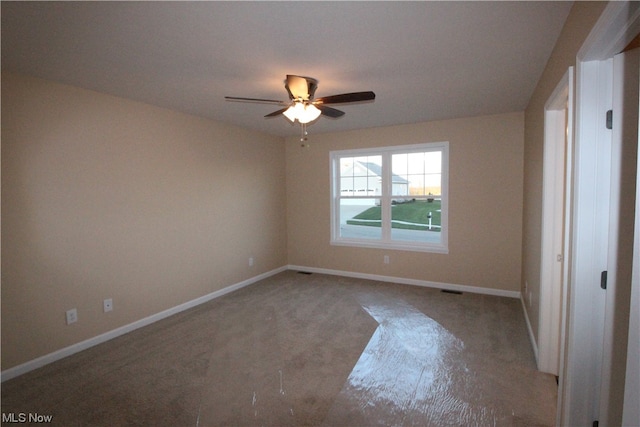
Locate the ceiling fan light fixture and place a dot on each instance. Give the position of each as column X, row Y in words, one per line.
column 290, row 113
column 302, row 112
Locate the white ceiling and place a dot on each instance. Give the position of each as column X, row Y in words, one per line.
column 424, row 60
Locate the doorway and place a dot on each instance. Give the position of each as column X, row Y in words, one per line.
column 585, row 388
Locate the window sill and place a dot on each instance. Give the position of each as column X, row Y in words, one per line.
column 401, row 246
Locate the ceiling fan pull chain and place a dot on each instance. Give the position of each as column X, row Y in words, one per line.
column 303, row 132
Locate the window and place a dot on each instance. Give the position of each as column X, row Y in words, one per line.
column 391, row 197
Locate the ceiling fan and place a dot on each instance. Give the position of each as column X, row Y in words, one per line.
column 302, row 106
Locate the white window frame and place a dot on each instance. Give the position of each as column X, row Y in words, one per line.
column 385, row 242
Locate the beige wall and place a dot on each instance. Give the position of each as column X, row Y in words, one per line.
column 581, row 19
column 485, row 213
column 108, row 198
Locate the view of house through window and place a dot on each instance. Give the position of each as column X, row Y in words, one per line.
column 391, row 197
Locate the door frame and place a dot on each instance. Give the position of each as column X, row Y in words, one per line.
column 621, row 232
column 556, row 202
column 631, row 411
column 580, row 382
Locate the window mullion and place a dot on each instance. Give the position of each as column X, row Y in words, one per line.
column 385, row 201
column 335, row 197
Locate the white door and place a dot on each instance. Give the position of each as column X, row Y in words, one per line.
column 624, row 166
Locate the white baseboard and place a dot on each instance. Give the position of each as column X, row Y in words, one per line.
column 532, row 338
column 83, row 345
column 415, row 282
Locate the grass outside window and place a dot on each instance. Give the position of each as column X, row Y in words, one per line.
column 410, row 215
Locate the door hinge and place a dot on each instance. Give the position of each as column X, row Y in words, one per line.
column 603, row 279
column 610, row 119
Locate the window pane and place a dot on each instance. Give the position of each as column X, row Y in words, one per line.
column 360, row 176
column 416, row 173
column 399, row 164
column 422, row 236
column 416, row 220
column 416, row 185
column 360, row 218
column 415, row 163
column 433, row 184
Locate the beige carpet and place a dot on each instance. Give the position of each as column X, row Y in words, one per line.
column 300, row 349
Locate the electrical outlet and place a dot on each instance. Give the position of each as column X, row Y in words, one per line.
column 72, row 316
column 107, row 305
column 250, row 261
column 386, row 259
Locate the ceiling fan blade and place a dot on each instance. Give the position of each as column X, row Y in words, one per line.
column 346, row 97
column 330, row 112
column 256, row 100
column 277, row 113
column 301, row 87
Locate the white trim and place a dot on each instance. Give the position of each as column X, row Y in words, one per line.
column 579, row 385
column 631, row 410
column 532, row 337
column 625, row 98
column 91, row 342
column 616, row 27
column 406, row 281
column 558, row 124
column 396, row 245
